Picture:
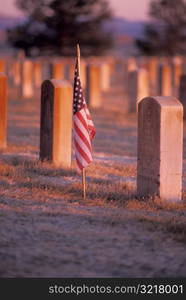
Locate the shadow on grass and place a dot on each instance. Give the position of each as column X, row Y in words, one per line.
column 66, row 184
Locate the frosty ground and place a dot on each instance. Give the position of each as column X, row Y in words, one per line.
column 48, row 230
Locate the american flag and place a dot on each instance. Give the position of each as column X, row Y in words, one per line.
column 83, row 131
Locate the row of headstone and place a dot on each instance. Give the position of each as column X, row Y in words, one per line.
column 160, row 126
column 27, row 75
column 55, row 120
column 153, row 76
column 142, row 76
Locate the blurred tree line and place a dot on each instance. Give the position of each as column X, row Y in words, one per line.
column 56, row 26
column 166, row 33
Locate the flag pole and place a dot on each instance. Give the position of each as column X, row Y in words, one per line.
column 83, row 171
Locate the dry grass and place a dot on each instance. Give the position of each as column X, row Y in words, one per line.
column 113, row 184
column 175, row 226
column 105, row 235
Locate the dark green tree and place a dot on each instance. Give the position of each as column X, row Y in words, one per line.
column 56, row 26
column 166, row 34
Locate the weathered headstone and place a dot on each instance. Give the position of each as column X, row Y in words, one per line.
column 70, row 68
column 17, row 73
column 56, row 122
column 177, row 72
column 46, row 69
column 132, row 83
column 122, row 64
column 112, row 62
column 132, row 64
column 93, row 86
column 166, row 79
column 182, row 93
column 37, row 73
column 142, row 84
column 159, row 78
column 153, row 74
column 3, row 111
column 160, row 143
column 58, row 70
column 138, row 87
column 105, row 76
column 27, row 79
column 83, row 73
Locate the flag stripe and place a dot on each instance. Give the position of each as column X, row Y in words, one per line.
column 78, row 123
column 78, row 135
column 85, row 155
column 81, row 115
column 83, row 130
column 80, row 160
column 79, row 165
column 83, row 146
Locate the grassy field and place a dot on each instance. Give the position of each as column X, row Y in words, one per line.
column 48, row 230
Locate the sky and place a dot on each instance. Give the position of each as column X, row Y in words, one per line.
column 130, row 9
